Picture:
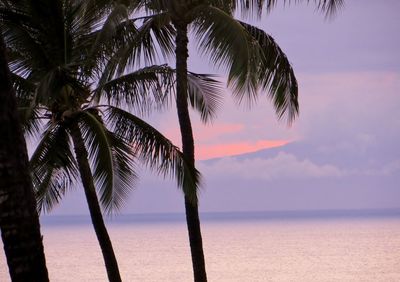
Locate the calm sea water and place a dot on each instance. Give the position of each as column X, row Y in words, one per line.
column 251, row 247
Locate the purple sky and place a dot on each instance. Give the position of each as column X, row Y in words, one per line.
column 342, row 152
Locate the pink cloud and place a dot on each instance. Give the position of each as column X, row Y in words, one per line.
column 209, row 140
column 221, row 150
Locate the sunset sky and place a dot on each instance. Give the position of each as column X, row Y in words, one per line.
column 341, row 153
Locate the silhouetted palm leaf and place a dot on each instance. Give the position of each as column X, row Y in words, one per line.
column 275, row 74
column 114, row 179
column 53, row 166
column 142, row 90
column 154, row 149
column 205, row 95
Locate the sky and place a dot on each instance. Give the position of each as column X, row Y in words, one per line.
column 341, row 153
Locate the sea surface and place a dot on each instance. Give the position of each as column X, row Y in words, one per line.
column 283, row 246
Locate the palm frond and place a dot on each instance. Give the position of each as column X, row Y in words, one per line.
column 156, row 34
column 275, row 74
column 124, row 166
column 158, row 6
column 329, row 7
column 154, row 149
column 93, row 27
column 99, row 150
column 29, row 114
column 94, row 11
column 105, row 62
column 205, row 94
column 110, row 158
column 253, row 58
column 24, row 88
column 109, row 28
column 163, row 33
column 31, row 120
column 20, row 34
column 254, row 8
column 247, row 8
column 53, row 167
column 141, row 90
column 229, row 46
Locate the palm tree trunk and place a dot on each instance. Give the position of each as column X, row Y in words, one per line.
column 94, row 207
column 192, row 212
column 19, row 221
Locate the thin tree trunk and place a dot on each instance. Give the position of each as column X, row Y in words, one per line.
column 192, row 213
column 19, row 220
column 94, row 207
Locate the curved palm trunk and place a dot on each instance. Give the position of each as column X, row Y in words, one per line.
column 19, row 221
column 192, row 212
column 94, row 207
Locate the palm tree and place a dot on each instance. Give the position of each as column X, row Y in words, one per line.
column 19, row 221
column 252, row 58
column 58, row 49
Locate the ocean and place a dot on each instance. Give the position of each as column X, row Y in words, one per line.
column 280, row 246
